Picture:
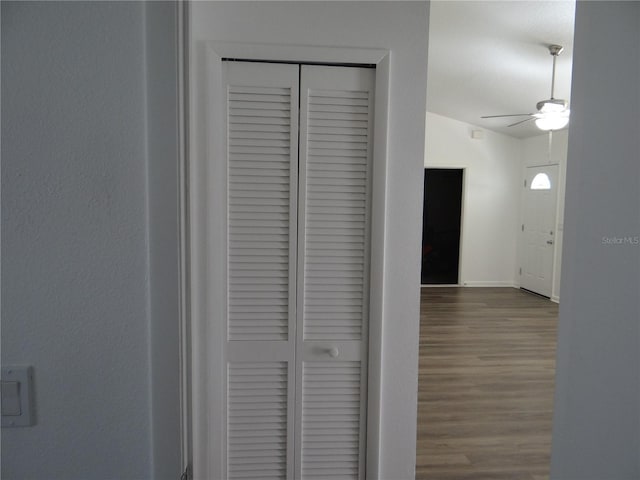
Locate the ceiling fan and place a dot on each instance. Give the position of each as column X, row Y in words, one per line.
column 553, row 113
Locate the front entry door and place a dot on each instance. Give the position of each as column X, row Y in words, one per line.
column 541, row 191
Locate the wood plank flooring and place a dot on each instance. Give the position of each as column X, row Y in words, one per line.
column 486, row 380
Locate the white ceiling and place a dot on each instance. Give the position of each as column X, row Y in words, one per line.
column 491, row 58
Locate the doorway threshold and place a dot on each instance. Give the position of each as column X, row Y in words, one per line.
column 535, row 293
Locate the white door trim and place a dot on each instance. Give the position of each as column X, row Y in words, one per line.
column 203, row 223
column 182, row 32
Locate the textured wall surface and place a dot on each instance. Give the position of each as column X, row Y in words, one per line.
column 74, row 237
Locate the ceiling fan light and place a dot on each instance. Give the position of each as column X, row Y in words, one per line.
column 552, row 107
column 552, row 121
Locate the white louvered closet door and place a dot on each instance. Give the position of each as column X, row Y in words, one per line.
column 336, row 122
column 297, row 270
column 262, row 149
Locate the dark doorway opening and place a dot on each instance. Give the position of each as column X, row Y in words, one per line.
column 441, row 226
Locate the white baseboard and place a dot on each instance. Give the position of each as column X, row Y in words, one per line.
column 471, row 284
column 488, row 284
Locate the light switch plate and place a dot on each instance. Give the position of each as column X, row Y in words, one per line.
column 17, row 396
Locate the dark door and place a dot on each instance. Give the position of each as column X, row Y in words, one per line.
column 441, row 225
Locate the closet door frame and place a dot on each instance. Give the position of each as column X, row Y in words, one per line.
column 204, row 230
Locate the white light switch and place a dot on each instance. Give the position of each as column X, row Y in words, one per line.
column 17, row 396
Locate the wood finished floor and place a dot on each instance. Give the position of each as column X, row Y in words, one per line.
column 486, row 380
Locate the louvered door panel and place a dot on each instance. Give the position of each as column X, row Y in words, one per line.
column 257, row 419
column 331, row 420
column 262, row 165
column 259, row 212
column 297, row 270
column 336, row 214
column 333, row 262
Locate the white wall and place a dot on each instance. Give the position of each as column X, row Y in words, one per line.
column 596, row 426
column 74, row 240
column 89, row 237
column 491, row 197
column 541, row 150
column 402, row 28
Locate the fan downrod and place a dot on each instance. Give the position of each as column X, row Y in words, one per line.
column 554, row 50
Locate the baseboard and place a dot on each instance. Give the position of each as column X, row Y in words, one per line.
column 488, row 284
column 480, row 284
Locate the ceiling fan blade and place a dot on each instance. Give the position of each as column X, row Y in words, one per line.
column 521, row 121
column 511, row 115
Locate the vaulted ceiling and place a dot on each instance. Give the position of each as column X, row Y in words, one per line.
column 491, row 57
